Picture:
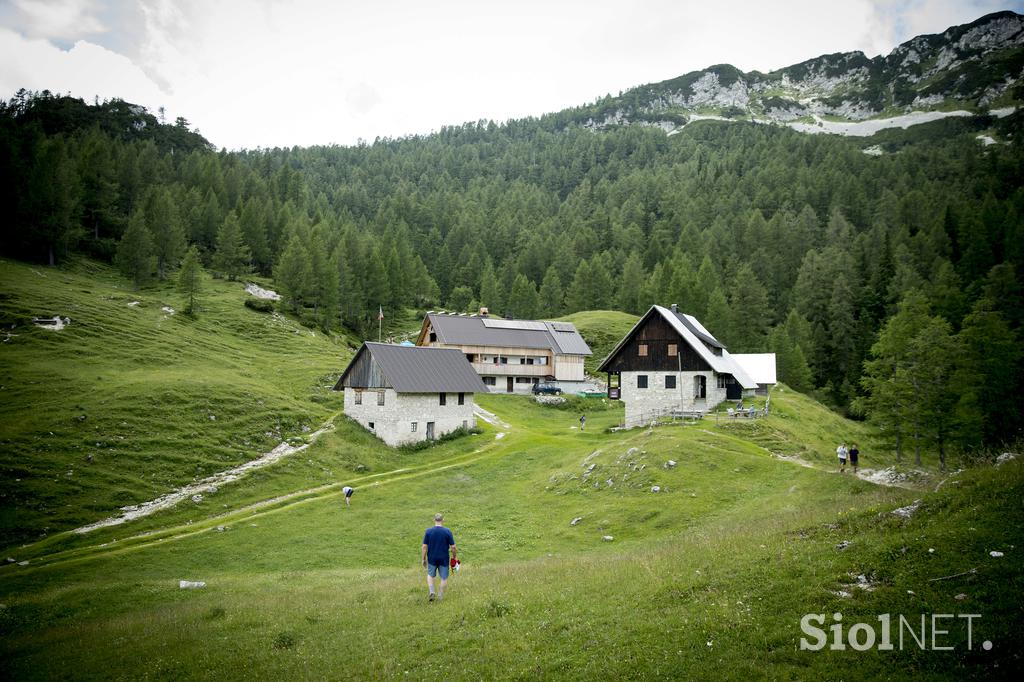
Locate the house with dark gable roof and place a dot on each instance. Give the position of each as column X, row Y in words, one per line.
column 405, row 394
column 511, row 355
column 668, row 362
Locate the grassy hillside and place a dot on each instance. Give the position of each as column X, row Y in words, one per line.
column 751, row 527
column 130, row 400
column 602, row 330
column 713, row 573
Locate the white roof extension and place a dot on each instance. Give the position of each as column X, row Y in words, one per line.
column 723, row 364
column 760, row 366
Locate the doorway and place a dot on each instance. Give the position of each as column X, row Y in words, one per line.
column 430, row 430
column 510, row 385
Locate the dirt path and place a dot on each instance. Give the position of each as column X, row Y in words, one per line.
column 210, row 484
column 254, row 510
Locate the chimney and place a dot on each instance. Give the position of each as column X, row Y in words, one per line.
column 483, row 312
column 675, row 308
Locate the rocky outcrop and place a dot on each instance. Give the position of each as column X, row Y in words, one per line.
column 978, row 66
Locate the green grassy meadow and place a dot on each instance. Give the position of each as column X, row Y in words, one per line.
column 707, row 578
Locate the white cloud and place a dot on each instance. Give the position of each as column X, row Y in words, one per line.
column 86, row 70
column 59, row 19
column 303, row 72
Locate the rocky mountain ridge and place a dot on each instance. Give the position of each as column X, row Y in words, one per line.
column 973, row 68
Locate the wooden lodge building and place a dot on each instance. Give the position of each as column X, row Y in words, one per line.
column 511, row 356
column 669, row 363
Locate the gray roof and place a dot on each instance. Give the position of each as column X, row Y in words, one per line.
column 415, row 369
column 561, row 338
column 699, row 338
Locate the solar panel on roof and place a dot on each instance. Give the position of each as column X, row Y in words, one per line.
column 529, row 325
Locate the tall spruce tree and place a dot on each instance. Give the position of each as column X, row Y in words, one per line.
column 190, row 280
column 232, row 255
column 135, row 257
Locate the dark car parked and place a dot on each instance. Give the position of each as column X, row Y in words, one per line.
column 546, row 389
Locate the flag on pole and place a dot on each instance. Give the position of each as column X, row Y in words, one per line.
column 380, row 313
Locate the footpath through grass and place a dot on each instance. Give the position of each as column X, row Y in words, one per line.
column 708, row 577
column 131, row 400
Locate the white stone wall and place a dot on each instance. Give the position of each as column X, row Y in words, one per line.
column 643, row 403
column 392, row 421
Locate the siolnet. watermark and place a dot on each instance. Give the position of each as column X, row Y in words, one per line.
column 927, row 632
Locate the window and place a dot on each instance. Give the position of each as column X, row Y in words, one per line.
column 700, row 386
column 462, row 399
column 380, row 397
column 642, row 350
column 670, row 381
column 414, row 424
column 673, row 350
column 641, row 381
column 359, row 398
column 524, row 380
column 465, row 424
column 489, row 381
column 433, row 337
column 443, row 398
column 522, row 361
column 371, row 426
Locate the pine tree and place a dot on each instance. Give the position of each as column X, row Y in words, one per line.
column 490, row 290
column 190, row 280
column 630, row 287
column 232, row 256
column 579, row 296
column 524, row 300
column 135, row 257
column 551, row 294
column 165, row 229
column 293, row 274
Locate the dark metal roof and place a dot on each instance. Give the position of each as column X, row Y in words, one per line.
column 700, row 333
column 561, row 338
column 415, row 369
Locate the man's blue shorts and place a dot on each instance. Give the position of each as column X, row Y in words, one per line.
column 432, row 570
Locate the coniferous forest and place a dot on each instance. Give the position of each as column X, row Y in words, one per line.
column 889, row 284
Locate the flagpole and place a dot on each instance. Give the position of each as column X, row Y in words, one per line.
column 380, row 322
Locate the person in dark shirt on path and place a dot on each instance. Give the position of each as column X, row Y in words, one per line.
column 436, row 541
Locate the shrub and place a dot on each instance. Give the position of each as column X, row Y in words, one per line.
column 262, row 305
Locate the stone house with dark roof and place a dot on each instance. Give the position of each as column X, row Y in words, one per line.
column 511, row 355
column 405, row 394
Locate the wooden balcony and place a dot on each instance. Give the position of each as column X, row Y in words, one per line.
column 512, row 370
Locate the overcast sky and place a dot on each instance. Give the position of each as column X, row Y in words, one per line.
column 265, row 73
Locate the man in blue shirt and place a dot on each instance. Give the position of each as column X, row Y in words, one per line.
column 436, row 542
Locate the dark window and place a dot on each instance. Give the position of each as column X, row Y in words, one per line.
column 489, row 381
column 670, row 381
column 522, row 361
column 465, row 424
column 444, row 398
column 371, row 426
column 641, row 381
column 380, row 397
column 414, row 427
column 359, row 398
column 433, row 337
column 700, row 389
column 462, row 399
column 529, row 361
column 641, row 350
column 673, row 350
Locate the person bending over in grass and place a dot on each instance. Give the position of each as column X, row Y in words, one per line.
column 348, row 495
column 436, row 542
